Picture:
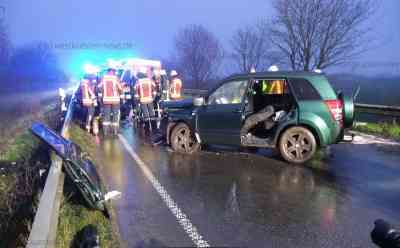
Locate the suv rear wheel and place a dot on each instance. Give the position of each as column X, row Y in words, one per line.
column 183, row 139
column 297, row 145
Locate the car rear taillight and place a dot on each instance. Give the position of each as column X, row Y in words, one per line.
column 336, row 109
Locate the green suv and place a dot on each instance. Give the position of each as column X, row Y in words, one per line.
column 307, row 114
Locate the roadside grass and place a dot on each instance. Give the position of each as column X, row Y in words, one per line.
column 21, row 149
column 19, row 184
column 389, row 130
column 74, row 215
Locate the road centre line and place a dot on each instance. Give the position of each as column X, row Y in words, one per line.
column 181, row 217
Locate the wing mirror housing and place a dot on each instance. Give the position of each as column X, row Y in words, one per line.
column 198, row 101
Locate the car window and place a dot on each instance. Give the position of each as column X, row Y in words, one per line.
column 229, row 93
column 304, row 90
column 272, row 86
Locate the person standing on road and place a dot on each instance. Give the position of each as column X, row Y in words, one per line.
column 88, row 100
column 158, row 89
column 164, row 85
column 111, row 89
column 145, row 93
column 175, row 86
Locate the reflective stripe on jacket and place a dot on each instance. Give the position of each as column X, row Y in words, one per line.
column 175, row 88
column 274, row 87
column 111, row 89
column 87, row 93
column 145, row 90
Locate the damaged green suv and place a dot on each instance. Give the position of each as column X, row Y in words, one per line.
column 307, row 114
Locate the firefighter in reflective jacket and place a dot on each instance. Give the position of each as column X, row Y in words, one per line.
column 175, row 86
column 88, row 100
column 111, row 90
column 274, row 87
column 145, row 93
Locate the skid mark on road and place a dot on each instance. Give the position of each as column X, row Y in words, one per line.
column 181, row 217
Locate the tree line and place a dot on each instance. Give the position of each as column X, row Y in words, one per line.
column 302, row 35
column 32, row 67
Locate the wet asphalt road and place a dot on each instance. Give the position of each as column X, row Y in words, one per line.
column 253, row 200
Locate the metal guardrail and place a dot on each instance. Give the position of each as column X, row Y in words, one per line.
column 44, row 229
column 392, row 111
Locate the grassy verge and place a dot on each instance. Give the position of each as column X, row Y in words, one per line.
column 389, row 130
column 20, row 182
column 74, row 216
column 21, row 157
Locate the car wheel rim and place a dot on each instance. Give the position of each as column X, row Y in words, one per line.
column 298, row 146
column 184, row 141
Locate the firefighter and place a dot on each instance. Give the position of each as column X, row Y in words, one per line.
column 127, row 79
column 274, row 87
column 158, row 83
column 88, row 100
column 175, row 86
column 157, row 79
column 145, row 93
column 164, row 85
column 111, row 90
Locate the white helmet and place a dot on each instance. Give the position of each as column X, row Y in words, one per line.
column 163, row 73
column 173, row 73
column 273, row 68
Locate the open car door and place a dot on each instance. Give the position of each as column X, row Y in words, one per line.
column 220, row 120
column 77, row 165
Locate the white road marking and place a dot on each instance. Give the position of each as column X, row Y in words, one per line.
column 181, row 217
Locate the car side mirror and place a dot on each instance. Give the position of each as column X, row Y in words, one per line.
column 198, row 101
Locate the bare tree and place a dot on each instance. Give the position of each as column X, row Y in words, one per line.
column 251, row 48
column 320, row 33
column 198, row 54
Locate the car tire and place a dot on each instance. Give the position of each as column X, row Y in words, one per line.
column 183, row 139
column 297, row 145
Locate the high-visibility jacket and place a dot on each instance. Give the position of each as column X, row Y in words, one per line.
column 175, row 88
column 145, row 90
column 275, row 87
column 87, row 92
column 111, row 89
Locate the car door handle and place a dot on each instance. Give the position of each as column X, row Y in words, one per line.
column 237, row 111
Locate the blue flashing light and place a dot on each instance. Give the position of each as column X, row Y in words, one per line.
column 98, row 58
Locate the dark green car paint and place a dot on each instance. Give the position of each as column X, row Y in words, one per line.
column 316, row 115
column 220, row 124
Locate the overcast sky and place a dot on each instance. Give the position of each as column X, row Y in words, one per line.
column 149, row 25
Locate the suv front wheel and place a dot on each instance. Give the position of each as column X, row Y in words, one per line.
column 297, row 145
column 183, row 139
